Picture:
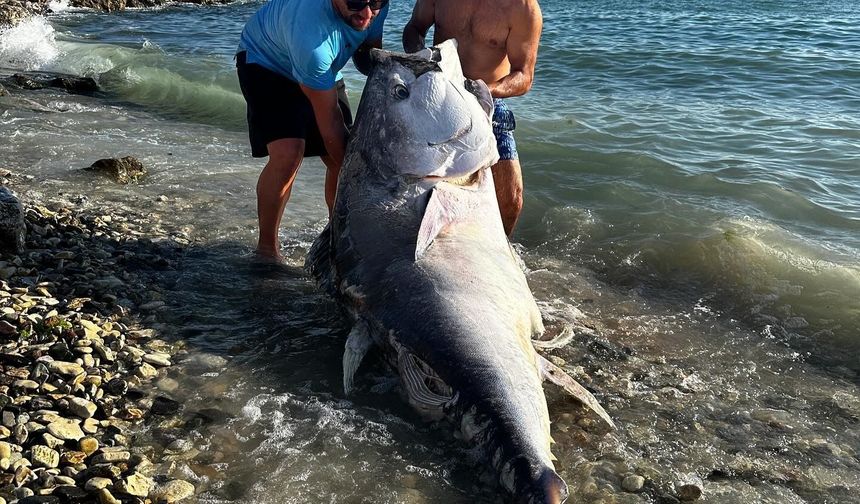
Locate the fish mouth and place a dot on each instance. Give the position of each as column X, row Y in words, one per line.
column 457, row 134
column 468, row 180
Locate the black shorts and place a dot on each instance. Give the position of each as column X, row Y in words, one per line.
column 278, row 108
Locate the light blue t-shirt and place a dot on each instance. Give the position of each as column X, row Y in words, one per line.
column 305, row 40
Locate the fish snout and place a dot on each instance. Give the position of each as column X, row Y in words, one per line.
column 543, row 486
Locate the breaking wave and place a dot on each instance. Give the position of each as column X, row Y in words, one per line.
column 29, row 45
column 201, row 90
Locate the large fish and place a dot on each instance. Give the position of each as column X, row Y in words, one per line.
column 416, row 252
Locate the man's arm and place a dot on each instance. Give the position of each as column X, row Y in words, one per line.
column 415, row 31
column 361, row 58
column 522, row 47
column 329, row 120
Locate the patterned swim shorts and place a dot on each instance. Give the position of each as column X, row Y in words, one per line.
column 504, row 124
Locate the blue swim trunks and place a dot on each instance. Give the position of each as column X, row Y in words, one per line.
column 503, row 126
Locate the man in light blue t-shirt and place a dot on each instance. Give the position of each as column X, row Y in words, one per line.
column 289, row 61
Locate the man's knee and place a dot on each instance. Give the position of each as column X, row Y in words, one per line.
column 285, row 156
column 509, row 182
column 286, row 150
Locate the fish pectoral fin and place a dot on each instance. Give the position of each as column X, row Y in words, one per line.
column 561, row 339
column 555, row 374
column 440, row 212
column 417, row 378
column 357, row 344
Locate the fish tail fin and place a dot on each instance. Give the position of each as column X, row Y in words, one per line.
column 543, row 487
column 553, row 489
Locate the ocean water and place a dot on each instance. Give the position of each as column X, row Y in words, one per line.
column 691, row 193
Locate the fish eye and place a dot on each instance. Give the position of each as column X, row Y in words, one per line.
column 401, row 92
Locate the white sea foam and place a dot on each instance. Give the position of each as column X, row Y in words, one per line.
column 29, row 45
column 58, row 5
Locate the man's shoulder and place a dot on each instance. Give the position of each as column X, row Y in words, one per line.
column 524, row 10
column 526, row 5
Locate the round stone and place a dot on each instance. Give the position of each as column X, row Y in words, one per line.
column 65, row 429
column 633, row 483
column 88, row 445
column 173, row 491
column 82, row 408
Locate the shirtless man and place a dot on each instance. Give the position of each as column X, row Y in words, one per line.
column 498, row 42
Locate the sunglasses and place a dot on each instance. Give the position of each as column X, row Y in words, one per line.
column 359, row 5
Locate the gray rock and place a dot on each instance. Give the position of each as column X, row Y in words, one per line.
column 164, row 406
column 689, row 488
column 13, row 229
column 105, row 497
column 633, row 483
column 172, row 491
column 110, row 457
column 5, row 449
column 42, row 456
column 97, row 483
column 40, row 499
column 135, row 484
column 82, row 408
column 65, row 368
column 146, row 371
column 122, row 170
column 157, row 359
column 25, row 384
column 65, row 429
column 70, row 494
column 41, row 80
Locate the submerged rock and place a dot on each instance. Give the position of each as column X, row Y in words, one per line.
column 41, row 80
column 122, row 170
column 172, row 491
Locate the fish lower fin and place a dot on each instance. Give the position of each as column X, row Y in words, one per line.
column 560, row 340
column 555, row 374
column 357, row 344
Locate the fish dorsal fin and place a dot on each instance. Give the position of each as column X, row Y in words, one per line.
column 444, row 207
column 555, row 374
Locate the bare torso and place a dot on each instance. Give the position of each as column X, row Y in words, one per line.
column 481, row 28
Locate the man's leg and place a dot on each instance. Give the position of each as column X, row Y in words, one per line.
column 273, row 191
column 508, row 179
column 332, row 170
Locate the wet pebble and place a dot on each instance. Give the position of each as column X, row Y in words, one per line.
column 689, row 488
column 76, row 368
column 633, row 483
column 172, row 491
